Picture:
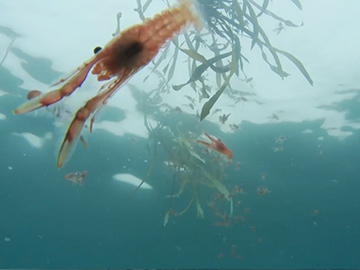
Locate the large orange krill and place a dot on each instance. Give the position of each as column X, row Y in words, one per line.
column 123, row 56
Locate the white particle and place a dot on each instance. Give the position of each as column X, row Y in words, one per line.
column 145, row 161
column 10, row 168
column 7, row 239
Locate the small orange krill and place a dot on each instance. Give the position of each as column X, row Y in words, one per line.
column 262, row 191
column 217, row 145
column 76, row 177
column 236, row 189
column 218, row 196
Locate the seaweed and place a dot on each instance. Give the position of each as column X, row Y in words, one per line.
column 228, row 23
column 10, row 34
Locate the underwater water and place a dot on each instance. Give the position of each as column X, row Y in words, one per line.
column 308, row 218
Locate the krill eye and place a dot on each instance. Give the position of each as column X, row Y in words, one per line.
column 97, row 49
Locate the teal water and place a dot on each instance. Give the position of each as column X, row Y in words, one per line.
column 53, row 224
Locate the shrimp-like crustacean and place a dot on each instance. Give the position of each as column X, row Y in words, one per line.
column 77, row 178
column 217, row 145
column 122, row 57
